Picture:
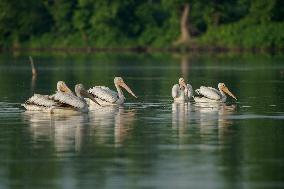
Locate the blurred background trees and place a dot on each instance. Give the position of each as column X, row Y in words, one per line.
column 133, row 23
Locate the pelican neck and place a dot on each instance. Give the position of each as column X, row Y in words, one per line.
column 119, row 91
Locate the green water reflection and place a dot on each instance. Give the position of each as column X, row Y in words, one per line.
column 150, row 142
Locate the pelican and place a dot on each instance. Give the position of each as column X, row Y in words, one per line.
column 68, row 102
column 210, row 94
column 182, row 92
column 63, row 100
column 105, row 96
column 40, row 102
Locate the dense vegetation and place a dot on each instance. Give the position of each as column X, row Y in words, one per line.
column 135, row 23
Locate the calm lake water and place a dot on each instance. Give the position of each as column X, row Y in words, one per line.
column 150, row 142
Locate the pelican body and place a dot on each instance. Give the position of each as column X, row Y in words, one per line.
column 105, row 96
column 40, row 102
column 182, row 92
column 210, row 94
column 63, row 101
column 68, row 102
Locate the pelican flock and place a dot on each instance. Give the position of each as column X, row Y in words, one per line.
column 106, row 96
column 182, row 92
column 63, row 100
column 210, row 94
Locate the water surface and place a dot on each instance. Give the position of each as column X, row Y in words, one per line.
column 151, row 142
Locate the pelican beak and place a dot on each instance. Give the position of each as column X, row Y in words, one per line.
column 85, row 93
column 226, row 90
column 183, row 84
column 128, row 89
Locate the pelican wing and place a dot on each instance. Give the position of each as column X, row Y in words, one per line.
column 218, row 92
column 175, row 91
column 208, row 92
column 104, row 94
column 69, row 99
column 189, row 91
column 41, row 100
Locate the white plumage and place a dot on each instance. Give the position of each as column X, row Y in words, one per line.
column 176, row 91
column 190, row 91
column 40, row 102
column 62, row 101
column 182, row 92
column 106, row 96
column 210, row 94
column 69, row 100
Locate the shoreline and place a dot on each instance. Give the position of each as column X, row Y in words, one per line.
column 145, row 49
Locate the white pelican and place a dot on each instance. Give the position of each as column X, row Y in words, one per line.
column 62, row 101
column 210, row 94
column 105, row 96
column 40, row 102
column 182, row 92
column 68, row 102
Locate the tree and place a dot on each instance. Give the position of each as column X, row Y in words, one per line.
column 185, row 35
column 62, row 12
column 81, row 19
column 19, row 20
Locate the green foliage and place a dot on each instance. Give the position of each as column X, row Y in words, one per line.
column 256, row 36
column 134, row 23
column 20, row 20
column 62, row 12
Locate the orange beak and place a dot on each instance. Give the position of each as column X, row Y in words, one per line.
column 226, row 90
column 128, row 89
column 183, row 84
column 87, row 95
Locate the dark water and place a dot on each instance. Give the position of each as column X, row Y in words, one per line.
column 150, row 142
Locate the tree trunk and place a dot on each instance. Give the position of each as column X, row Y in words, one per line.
column 86, row 41
column 185, row 35
column 184, row 23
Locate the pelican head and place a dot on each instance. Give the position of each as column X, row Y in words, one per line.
column 81, row 92
column 62, row 87
column 223, row 88
column 119, row 81
column 182, row 83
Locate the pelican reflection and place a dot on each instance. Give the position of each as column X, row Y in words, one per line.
column 112, row 124
column 214, row 117
column 181, row 118
column 180, row 114
column 65, row 132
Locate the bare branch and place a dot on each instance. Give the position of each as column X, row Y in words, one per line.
column 34, row 72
